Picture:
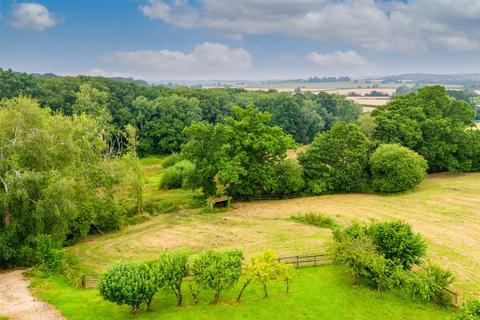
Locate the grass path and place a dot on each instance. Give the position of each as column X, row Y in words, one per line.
column 445, row 209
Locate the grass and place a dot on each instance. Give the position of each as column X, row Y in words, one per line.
column 444, row 209
column 315, row 219
column 315, row 293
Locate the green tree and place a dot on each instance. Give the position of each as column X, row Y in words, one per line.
column 336, row 160
column 264, row 268
column 128, row 283
column 428, row 122
column 429, row 283
column 133, row 170
column 170, row 269
column 395, row 168
column 241, row 153
column 217, row 270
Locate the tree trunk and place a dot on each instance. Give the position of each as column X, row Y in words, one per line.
column 216, row 298
column 265, row 293
column 134, row 308
column 149, row 304
column 241, row 291
column 178, row 292
column 194, row 294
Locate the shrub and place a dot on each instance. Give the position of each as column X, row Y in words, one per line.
column 175, row 177
column 217, row 270
column 470, row 310
column 395, row 168
column 169, row 270
column 337, row 160
column 315, row 219
column 366, row 264
column 171, row 160
column 428, row 284
column 397, row 242
column 287, row 177
column 128, row 283
column 48, row 257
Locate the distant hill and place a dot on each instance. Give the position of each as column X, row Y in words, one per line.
column 434, row 78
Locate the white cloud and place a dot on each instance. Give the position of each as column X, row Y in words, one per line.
column 340, row 62
column 207, row 60
column 412, row 27
column 32, row 16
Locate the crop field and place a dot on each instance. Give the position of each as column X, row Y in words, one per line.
column 444, row 209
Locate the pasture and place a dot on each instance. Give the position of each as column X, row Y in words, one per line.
column 444, row 209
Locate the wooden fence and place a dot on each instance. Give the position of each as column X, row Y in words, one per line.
column 268, row 197
column 90, row 280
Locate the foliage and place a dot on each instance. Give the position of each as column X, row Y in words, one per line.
column 240, row 154
column 48, row 257
column 171, row 160
column 264, row 268
column 132, row 170
column 178, row 175
column 53, row 178
column 469, row 151
column 428, row 122
column 366, row 123
column 315, row 219
column 428, row 284
column 336, row 160
column 470, row 310
column 397, row 242
column 169, row 269
column 217, row 270
column 128, row 283
column 380, row 252
column 395, row 168
column 366, row 264
column 287, row 177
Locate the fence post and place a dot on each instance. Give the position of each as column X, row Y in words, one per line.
column 298, row 262
column 84, row 281
column 315, row 261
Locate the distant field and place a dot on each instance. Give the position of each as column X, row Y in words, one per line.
column 444, row 208
column 370, row 101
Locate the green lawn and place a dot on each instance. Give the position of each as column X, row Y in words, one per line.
column 315, row 293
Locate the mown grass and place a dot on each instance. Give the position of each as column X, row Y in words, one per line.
column 315, row 293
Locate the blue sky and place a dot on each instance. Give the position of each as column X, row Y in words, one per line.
column 239, row 39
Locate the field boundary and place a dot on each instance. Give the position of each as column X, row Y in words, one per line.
column 89, row 280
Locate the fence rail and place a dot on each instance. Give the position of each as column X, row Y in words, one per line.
column 89, row 280
column 268, row 197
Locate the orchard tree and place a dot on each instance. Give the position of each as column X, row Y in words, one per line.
column 336, row 160
column 395, row 168
column 128, row 283
column 264, row 268
column 169, row 269
column 214, row 270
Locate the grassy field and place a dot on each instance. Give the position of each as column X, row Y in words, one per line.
column 315, row 293
column 444, row 209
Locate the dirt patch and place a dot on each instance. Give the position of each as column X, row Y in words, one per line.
column 17, row 302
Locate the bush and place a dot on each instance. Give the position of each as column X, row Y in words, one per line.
column 366, row 264
column 171, row 160
column 428, row 284
column 287, row 177
column 315, row 219
column 337, row 160
column 176, row 176
column 217, row 270
column 397, row 242
column 128, row 283
column 169, row 270
column 469, row 310
column 48, row 257
column 395, row 168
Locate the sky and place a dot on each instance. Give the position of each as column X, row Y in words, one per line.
column 158, row 40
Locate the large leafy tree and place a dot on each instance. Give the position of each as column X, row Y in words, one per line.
column 337, row 160
column 240, row 154
column 51, row 168
column 162, row 122
column 429, row 122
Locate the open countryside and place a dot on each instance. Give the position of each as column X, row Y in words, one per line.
column 165, row 159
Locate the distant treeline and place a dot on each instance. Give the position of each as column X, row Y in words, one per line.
column 316, row 79
column 161, row 113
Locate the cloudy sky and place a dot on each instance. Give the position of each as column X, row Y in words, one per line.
column 240, row 39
